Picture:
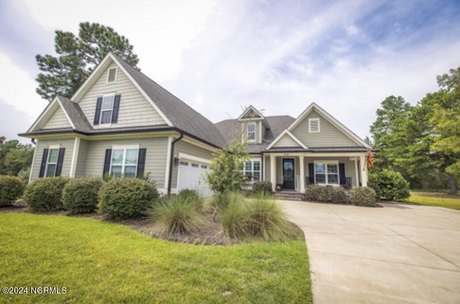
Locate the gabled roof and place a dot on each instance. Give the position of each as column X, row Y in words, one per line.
column 248, row 110
column 287, row 133
column 231, row 130
column 329, row 118
column 75, row 114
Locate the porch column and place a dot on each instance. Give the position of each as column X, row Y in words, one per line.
column 356, row 172
column 302, row 174
column 362, row 159
column 73, row 164
column 273, row 171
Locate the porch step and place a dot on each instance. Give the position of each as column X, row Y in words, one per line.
column 289, row 196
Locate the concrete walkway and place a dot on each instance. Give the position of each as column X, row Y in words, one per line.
column 394, row 254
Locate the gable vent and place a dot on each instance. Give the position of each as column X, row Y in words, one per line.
column 313, row 125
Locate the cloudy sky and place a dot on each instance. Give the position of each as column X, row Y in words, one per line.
column 220, row 56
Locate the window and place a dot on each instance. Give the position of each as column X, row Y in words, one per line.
column 124, row 162
column 112, row 75
column 51, row 163
column 251, row 169
column 251, row 128
column 326, row 173
column 107, row 109
column 313, row 125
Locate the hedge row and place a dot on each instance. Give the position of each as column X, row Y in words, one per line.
column 118, row 198
column 360, row 196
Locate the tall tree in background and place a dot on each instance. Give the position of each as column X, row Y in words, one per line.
column 77, row 58
column 446, row 121
column 14, row 157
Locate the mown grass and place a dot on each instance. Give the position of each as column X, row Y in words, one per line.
column 103, row 262
column 435, row 199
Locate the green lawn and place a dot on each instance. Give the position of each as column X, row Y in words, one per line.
column 435, row 199
column 104, row 262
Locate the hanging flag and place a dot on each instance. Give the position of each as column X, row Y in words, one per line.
column 370, row 159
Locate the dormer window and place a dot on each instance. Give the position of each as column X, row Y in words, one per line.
column 112, row 75
column 251, row 131
column 313, row 125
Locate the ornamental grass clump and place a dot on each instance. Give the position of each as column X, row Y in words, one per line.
column 178, row 215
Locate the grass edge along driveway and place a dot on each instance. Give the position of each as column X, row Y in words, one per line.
column 110, row 263
column 435, row 199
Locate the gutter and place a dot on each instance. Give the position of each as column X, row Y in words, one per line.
column 171, row 161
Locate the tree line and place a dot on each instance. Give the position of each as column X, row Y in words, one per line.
column 422, row 141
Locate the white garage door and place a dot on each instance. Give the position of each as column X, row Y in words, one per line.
column 192, row 176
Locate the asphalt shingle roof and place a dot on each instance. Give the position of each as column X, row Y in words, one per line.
column 231, row 131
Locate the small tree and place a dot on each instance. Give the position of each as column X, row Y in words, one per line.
column 226, row 173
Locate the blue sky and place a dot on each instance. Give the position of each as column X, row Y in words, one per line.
column 220, row 56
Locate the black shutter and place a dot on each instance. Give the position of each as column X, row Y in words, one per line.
column 141, row 162
column 97, row 115
column 60, row 160
column 116, row 108
column 43, row 165
column 311, row 174
column 342, row 174
column 108, row 156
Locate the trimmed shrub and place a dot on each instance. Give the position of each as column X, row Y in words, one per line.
column 339, row 196
column 363, row 196
column 11, row 188
column 258, row 218
column 81, row 195
column 177, row 215
column 125, row 198
column 312, row 193
column 262, row 187
column 325, row 194
column 192, row 197
column 389, row 185
column 45, row 194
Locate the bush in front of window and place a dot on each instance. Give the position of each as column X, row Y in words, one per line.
column 81, row 195
column 45, row 194
column 389, row 185
column 326, row 194
column 11, row 188
column 262, row 187
column 363, row 196
column 125, row 198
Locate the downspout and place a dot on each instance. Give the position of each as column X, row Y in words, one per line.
column 171, row 162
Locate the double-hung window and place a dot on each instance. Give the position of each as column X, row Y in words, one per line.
column 51, row 162
column 251, row 131
column 251, row 170
column 124, row 162
column 107, row 109
column 327, row 173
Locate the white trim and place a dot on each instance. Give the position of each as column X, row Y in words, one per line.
column 168, row 161
column 33, row 161
column 326, row 162
column 126, row 146
column 290, row 135
column 194, row 158
column 247, row 110
column 45, row 112
column 255, row 132
column 331, row 119
column 310, row 120
column 73, row 164
column 108, row 73
column 96, row 73
column 260, row 132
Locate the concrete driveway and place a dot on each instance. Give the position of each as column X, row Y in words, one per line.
column 394, row 254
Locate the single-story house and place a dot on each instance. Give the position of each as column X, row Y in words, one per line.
column 123, row 123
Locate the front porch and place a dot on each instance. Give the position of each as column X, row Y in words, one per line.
column 295, row 171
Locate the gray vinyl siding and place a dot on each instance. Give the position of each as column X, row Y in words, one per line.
column 44, row 144
column 329, row 135
column 155, row 159
column 286, row 141
column 184, row 147
column 135, row 109
column 244, row 130
column 82, row 157
column 58, row 120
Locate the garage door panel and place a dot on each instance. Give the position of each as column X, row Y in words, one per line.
column 192, row 176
